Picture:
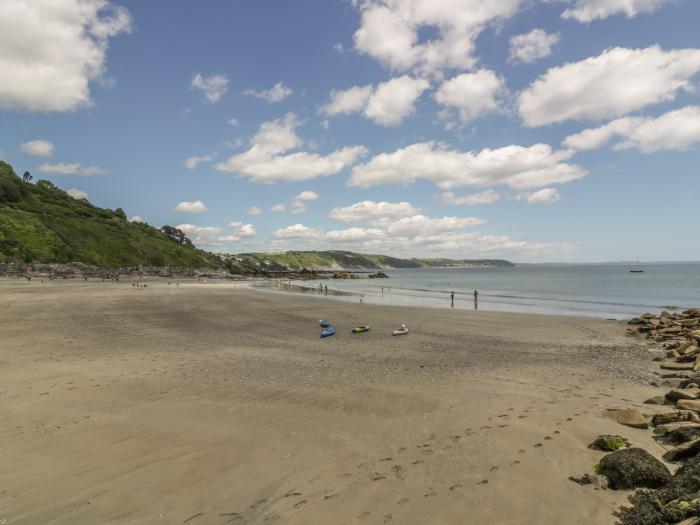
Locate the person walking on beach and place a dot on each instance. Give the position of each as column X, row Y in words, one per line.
column 476, row 297
column 452, row 298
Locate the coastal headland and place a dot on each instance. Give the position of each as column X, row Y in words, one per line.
column 215, row 403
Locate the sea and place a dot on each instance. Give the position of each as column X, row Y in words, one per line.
column 608, row 291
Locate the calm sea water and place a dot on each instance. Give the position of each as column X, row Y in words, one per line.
column 608, row 291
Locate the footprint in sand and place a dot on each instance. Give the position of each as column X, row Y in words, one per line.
column 556, row 432
column 537, row 445
column 402, row 501
column 230, row 516
column 548, row 438
column 401, row 449
column 397, row 470
column 331, row 496
column 430, row 494
column 417, row 462
column 290, row 494
column 257, row 504
column 428, row 452
column 272, row 517
column 521, row 451
column 300, row 504
column 376, row 476
column 455, row 438
column 387, row 459
column 493, row 468
column 387, row 518
column 456, row 486
column 482, row 482
column 364, row 515
column 516, row 462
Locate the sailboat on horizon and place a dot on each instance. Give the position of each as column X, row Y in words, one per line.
column 637, row 269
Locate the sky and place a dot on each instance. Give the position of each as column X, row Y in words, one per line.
column 532, row 130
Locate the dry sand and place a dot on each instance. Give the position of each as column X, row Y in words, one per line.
column 214, row 404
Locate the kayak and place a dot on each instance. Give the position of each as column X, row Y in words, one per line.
column 400, row 331
column 360, row 329
column 325, row 324
column 329, row 332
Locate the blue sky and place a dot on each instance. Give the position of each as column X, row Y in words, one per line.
column 560, row 130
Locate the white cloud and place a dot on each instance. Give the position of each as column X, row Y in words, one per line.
column 543, row 196
column 675, row 130
column 38, row 148
column 276, row 93
column 416, row 237
column 253, row 211
column 352, row 100
column 389, row 31
column 191, row 207
column 472, row 95
column 387, row 104
column 618, row 81
column 278, row 208
column 192, row 162
column 77, row 194
column 394, row 100
column 298, row 205
column 513, row 166
column 241, row 230
column 213, row 87
column 266, row 160
column 215, row 236
column 370, row 211
column 338, row 47
column 589, row 10
column 51, row 51
column 71, row 169
column 136, row 218
column 532, row 46
column 233, row 121
column 297, row 231
column 482, row 197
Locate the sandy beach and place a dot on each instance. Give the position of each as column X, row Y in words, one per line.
column 215, row 404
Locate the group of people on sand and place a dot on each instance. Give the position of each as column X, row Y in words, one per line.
column 476, row 299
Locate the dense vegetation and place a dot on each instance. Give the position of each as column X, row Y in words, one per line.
column 41, row 223
column 296, row 260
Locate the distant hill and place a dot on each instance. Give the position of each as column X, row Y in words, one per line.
column 42, row 223
column 341, row 260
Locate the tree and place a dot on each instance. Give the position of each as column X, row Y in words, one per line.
column 27, row 177
column 120, row 213
column 177, row 235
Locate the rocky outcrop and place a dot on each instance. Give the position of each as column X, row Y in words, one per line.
column 378, row 275
column 632, row 468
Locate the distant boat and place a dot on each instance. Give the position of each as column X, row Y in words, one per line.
column 638, row 269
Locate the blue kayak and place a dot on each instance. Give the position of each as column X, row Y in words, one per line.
column 329, row 332
column 325, row 324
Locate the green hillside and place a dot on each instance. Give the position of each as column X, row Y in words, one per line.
column 41, row 223
column 341, row 260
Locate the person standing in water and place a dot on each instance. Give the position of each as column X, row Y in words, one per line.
column 476, row 297
column 452, row 298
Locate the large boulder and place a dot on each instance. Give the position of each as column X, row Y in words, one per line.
column 632, row 468
column 630, row 417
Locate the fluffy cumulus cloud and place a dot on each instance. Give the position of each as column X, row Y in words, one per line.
column 298, row 205
column 77, row 194
column 268, row 158
column 513, row 166
column 215, row 236
column 390, row 31
column 532, row 46
column 415, row 236
column 482, row 197
column 136, row 218
column 370, row 211
column 38, row 148
column 191, row 163
column 610, row 85
column 675, row 130
column 253, row 211
column 280, row 207
column 543, row 196
column 213, row 87
column 52, row 51
column 471, row 95
column 276, row 93
column 387, row 104
column 191, row 207
column 589, row 10
column 71, row 169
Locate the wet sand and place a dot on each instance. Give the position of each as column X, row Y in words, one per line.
column 214, row 404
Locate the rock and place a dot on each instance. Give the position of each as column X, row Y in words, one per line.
column 672, row 365
column 630, row 417
column 683, row 393
column 599, row 482
column 689, row 521
column 686, row 450
column 378, row 275
column 680, row 436
column 673, row 382
column 689, row 404
column 668, row 428
column 672, row 417
column 633, row 467
column 608, row 443
column 656, row 400
column 673, row 354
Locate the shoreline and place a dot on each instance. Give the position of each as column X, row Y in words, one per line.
column 205, row 401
